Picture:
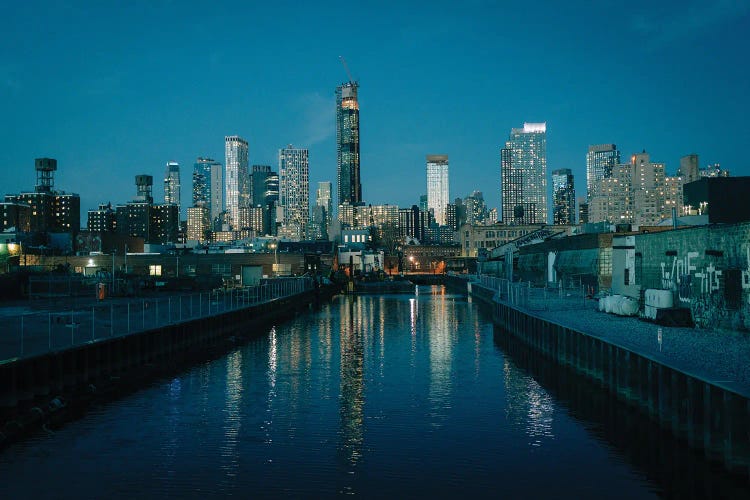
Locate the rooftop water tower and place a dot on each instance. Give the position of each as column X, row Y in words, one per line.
column 143, row 185
column 45, row 177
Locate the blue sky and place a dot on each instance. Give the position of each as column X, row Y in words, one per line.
column 115, row 89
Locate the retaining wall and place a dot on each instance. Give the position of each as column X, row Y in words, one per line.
column 708, row 417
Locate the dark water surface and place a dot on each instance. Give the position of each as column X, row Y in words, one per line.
column 389, row 396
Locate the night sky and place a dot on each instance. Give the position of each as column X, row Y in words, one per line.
column 112, row 91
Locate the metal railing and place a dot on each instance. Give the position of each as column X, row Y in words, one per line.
column 564, row 295
column 30, row 334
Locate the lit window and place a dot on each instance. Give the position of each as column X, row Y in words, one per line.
column 154, row 270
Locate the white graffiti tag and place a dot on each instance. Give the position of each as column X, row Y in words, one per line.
column 746, row 273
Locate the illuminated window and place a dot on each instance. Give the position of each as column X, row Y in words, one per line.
column 154, row 270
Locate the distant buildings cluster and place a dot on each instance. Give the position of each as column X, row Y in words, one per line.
column 236, row 203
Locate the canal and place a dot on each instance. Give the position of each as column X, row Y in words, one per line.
column 394, row 395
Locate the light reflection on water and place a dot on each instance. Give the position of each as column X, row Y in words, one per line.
column 396, row 395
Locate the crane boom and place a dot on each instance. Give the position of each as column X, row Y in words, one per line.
column 348, row 73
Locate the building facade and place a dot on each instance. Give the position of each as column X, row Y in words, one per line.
column 172, row 190
column 347, row 144
column 324, row 199
column 600, row 160
column 208, row 185
column 236, row 180
column 294, row 189
column 563, row 197
column 523, row 169
column 438, row 188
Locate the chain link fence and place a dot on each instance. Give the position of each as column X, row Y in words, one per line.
column 568, row 294
column 28, row 334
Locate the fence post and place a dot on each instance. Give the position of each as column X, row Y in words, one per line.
column 169, row 310
column 143, row 315
column 200, row 304
column 111, row 320
column 93, row 324
column 128, row 331
column 22, row 335
column 72, row 329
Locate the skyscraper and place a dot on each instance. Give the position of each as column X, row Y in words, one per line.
column 347, row 144
column 258, row 177
column 523, row 169
column 438, row 192
column 689, row 169
column 294, row 190
column 172, row 184
column 563, row 197
column 323, row 198
column 208, row 186
column 235, row 150
column 600, row 160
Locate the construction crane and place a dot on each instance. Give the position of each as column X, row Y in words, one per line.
column 348, row 73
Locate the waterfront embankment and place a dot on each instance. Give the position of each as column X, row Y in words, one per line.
column 695, row 383
column 37, row 387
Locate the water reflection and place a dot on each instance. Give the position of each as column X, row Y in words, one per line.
column 352, row 401
column 232, row 417
column 669, row 464
column 390, row 396
column 529, row 406
column 440, row 331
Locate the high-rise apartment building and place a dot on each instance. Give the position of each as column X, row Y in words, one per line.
column 476, row 209
column 198, row 223
column 172, row 191
column 600, row 160
column 438, row 189
column 523, row 169
column 563, row 197
column 101, row 220
column 638, row 192
column 689, row 169
column 51, row 211
column 236, row 180
column 208, row 186
column 258, row 176
column 294, row 190
column 347, row 144
column 324, row 198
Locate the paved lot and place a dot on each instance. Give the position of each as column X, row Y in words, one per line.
column 33, row 327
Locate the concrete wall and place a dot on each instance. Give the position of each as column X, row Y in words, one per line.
column 707, row 416
column 706, row 267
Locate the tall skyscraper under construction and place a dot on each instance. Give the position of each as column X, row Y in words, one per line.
column 347, row 144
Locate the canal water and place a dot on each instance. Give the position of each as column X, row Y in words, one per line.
column 388, row 396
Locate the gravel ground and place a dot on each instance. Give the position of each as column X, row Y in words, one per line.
column 721, row 357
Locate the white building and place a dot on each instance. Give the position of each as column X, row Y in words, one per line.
column 438, row 192
column 236, row 178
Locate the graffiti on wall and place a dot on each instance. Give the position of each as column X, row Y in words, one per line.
column 679, row 276
column 695, row 283
column 746, row 272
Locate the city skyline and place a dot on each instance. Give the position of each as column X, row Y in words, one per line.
column 98, row 101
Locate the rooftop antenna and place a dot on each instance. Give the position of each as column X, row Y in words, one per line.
column 348, row 73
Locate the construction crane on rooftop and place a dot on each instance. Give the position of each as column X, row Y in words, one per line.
column 346, row 68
